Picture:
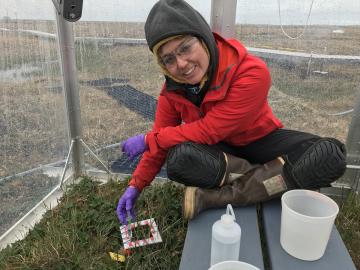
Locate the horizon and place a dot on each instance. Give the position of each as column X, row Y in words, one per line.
column 137, row 22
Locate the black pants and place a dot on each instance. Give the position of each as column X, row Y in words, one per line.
column 310, row 161
column 278, row 143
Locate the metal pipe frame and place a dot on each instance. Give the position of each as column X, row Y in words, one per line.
column 71, row 90
column 223, row 16
column 353, row 148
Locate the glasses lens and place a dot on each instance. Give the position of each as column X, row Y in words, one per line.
column 169, row 60
column 183, row 50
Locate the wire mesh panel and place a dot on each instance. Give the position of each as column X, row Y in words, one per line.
column 33, row 132
column 312, row 50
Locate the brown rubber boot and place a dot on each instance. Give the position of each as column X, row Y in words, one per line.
column 261, row 183
column 236, row 167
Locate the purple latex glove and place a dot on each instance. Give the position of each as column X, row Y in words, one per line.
column 126, row 204
column 134, row 146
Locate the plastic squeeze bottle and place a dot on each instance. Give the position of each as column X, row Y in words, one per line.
column 225, row 240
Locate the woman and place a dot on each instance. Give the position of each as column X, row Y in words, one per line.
column 213, row 124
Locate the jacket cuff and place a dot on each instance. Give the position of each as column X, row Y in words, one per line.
column 138, row 184
column 151, row 142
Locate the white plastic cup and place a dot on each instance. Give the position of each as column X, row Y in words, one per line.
column 233, row 265
column 307, row 218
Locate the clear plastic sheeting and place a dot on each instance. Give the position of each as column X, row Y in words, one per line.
column 313, row 55
column 33, row 129
column 118, row 81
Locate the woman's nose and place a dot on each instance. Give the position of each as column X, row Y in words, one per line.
column 181, row 62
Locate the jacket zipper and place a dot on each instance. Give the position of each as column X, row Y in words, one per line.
column 201, row 113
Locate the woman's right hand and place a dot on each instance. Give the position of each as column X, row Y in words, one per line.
column 126, row 205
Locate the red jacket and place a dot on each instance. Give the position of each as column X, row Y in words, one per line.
column 234, row 110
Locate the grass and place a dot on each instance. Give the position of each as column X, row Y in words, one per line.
column 27, row 191
column 307, row 103
column 32, row 123
column 81, row 231
column 348, row 224
column 317, row 38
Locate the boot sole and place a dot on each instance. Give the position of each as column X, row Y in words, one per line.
column 189, row 202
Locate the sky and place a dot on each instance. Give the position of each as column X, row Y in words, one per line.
column 333, row 12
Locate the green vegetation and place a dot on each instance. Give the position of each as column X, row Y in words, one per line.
column 83, row 229
column 348, row 224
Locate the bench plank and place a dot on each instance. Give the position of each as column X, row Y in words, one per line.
column 336, row 256
column 197, row 246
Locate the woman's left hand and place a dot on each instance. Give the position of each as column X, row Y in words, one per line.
column 134, row 146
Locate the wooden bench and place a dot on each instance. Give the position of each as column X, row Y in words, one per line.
column 196, row 252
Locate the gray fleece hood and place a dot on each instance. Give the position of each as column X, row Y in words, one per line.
column 170, row 18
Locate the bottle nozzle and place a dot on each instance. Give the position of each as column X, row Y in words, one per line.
column 230, row 212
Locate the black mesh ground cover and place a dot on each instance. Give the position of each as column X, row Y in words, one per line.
column 127, row 96
column 124, row 165
column 133, row 99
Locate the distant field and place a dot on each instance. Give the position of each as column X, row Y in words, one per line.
column 317, row 38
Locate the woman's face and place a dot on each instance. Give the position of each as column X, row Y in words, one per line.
column 185, row 59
